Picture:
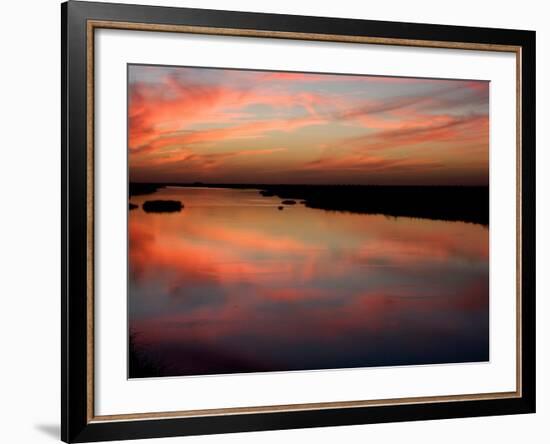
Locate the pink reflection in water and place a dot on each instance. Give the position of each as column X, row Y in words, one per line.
column 232, row 284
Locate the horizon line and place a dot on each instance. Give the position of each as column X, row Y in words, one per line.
column 197, row 183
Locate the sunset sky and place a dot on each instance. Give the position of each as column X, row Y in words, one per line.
column 236, row 126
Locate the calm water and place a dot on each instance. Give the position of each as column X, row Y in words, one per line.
column 231, row 284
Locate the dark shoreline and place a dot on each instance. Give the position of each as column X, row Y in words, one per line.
column 451, row 203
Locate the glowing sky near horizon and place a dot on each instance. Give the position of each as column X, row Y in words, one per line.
column 240, row 126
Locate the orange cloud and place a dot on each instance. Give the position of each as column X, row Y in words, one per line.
column 183, row 127
column 436, row 129
column 161, row 114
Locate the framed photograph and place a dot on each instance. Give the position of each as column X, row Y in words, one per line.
column 275, row 221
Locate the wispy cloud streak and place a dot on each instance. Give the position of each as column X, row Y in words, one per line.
column 185, row 122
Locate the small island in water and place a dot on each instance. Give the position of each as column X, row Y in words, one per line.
column 162, row 206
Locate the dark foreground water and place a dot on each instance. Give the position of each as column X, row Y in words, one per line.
column 232, row 284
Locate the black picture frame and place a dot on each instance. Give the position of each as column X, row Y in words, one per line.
column 76, row 423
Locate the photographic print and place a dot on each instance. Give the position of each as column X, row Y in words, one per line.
column 283, row 221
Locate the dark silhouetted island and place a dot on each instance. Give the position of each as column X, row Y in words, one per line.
column 452, row 203
column 132, row 206
column 162, row 206
column 288, row 202
column 140, row 189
